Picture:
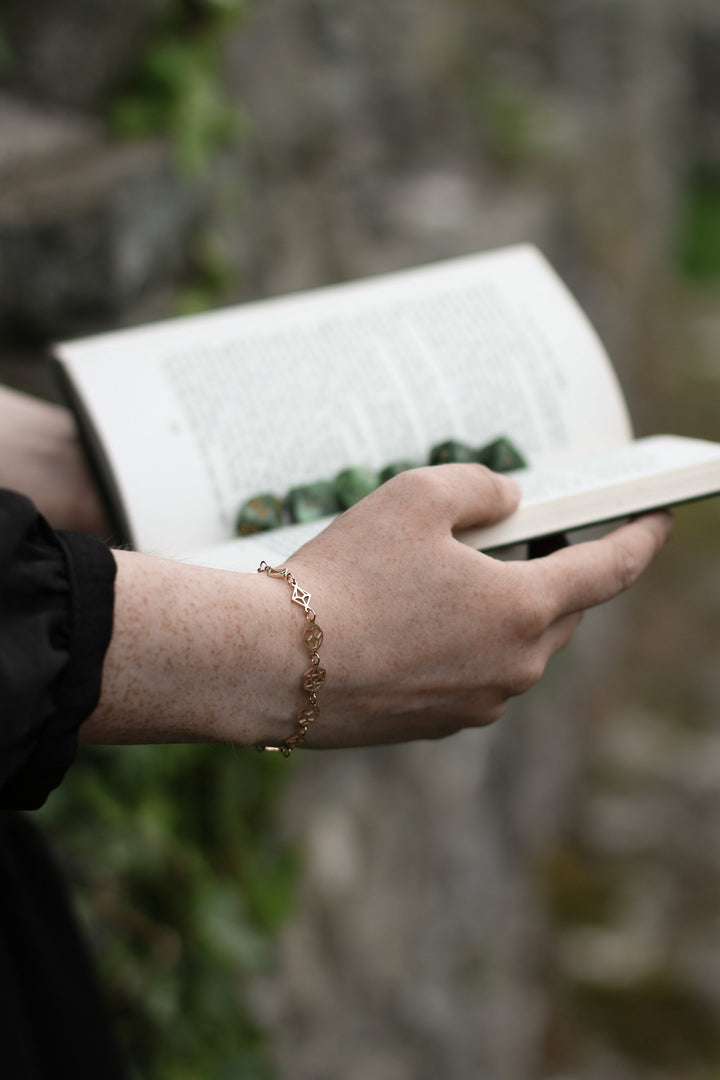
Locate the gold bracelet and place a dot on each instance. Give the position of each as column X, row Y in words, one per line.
column 312, row 679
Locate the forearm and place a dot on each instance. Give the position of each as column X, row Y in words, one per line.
column 198, row 655
column 41, row 456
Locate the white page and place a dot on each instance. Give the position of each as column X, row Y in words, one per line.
column 199, row 414
column 642, row 475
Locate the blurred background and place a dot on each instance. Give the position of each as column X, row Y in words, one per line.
column 538, row 901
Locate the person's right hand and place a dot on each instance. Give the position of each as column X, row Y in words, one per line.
column 424, row 635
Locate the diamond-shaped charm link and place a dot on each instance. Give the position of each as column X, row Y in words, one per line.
column 301, row 597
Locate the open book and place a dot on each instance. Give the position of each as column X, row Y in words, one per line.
column 189, row 418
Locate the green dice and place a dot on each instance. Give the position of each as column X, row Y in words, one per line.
column 501, row 455
column 258, row 514
column 395, row 468
column 352, row 485
column 451, row 452
column 312, row 501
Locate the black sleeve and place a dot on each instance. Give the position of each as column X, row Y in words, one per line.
column 56, row 603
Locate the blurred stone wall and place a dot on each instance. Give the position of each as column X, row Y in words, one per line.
column 93, row 232
column 425, row 943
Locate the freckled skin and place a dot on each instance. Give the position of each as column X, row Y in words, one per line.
column 423, row 636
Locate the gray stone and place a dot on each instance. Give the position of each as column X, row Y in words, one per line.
column 30, row 136
column 72, row 53
column 85, row 228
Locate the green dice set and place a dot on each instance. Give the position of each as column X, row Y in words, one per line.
column 500, row 455
column 309, row 502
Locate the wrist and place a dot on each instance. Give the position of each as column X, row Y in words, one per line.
column 197, row 655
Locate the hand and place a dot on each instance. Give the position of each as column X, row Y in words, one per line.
column 41, row 456
column 423, row 635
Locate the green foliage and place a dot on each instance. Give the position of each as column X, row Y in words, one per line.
column 504, row 113
column 209, row 279
column 182, row 882
column 698, row 247
column 506, row 118
column 178, row 89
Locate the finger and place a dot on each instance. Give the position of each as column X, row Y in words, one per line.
column 465, row 495
column 590, row 573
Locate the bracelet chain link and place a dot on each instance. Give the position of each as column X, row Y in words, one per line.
column 313, row 679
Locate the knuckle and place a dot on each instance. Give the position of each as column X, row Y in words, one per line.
column 532, row 615
column 487, row 713
column 487, row 476
column 494, row 483
column 494, row 713
column 413, row 484
column 525, row 676
column 627, row 566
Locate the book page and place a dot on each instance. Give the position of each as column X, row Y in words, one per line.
column 197, row 415
column 661, row 470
